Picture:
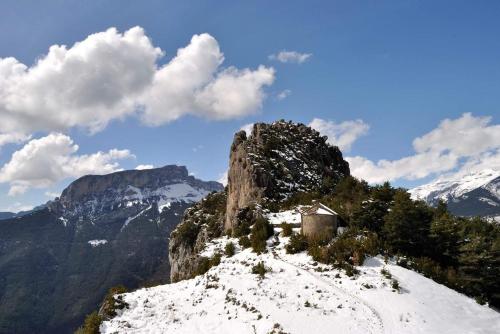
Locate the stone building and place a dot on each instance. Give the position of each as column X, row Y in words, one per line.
column 319, row 221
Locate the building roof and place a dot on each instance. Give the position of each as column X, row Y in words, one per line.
column 319, row 209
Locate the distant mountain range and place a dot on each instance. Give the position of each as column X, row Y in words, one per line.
column 58, row 261
column 474, row 194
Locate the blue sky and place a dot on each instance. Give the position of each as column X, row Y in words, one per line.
column 401, row 67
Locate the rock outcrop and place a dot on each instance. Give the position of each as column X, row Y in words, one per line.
column 201, row 223
column 276, row 161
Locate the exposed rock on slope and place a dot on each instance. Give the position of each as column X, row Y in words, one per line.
column 201, row 223
column 57, row 263
column 277, row 160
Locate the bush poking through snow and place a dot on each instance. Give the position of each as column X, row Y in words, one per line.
column 260, row 269
column 91, row 324
column 261, row 231
column 229, row 249
column 286, row 229
column 206, row 263
column 112, row 302
column 244, row 242
column 395, row 285
column 298, row 243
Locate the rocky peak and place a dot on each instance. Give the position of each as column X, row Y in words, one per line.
column 277, row 160
column 97, row 193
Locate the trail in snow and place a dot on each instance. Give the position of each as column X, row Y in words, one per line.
column 300, row 296
column 319, row 278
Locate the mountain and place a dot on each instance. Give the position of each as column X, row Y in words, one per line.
column 58, row 261
column 5, row 215
column 474, row 194
column 299, row 295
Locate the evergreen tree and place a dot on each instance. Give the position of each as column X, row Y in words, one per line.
column 406, row 226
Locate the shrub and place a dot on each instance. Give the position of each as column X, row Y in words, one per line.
column 260, row 269
column 386, row 273
column 91, row 324
column 395, row 284
column 229, row 249
column 206, row 263
column 244, row 242
column 298, row 243
column 187, row 232
column 261, row 231
column 286, row 229
column 112, row 303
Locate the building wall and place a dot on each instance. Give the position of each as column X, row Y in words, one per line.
column 319, row 225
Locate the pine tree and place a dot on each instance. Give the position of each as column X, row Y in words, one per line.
column 406, row 226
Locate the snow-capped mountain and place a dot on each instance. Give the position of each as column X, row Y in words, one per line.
column 474, row 194
column 104, row 230
column 298, row 295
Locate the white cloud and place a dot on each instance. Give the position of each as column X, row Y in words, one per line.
column 291, row 57
column 342, row 134
column 43, row 162
column 51, row 194
column 142, row 167
column 112, row 75
column 223, row 178
column 17, row 207
column 283, row 94
column 247, row 128
column 13, row 138
column 460, row 145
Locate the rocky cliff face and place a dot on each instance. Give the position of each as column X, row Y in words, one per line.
column 201, row 223
column 277, row 160
column 274, row 162
column 57, row 263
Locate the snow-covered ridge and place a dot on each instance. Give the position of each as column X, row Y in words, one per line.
column 450, row 188
column 298, row 295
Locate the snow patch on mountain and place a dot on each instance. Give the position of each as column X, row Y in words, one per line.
column 453, row 187
column 299, row 295
column 95, row 243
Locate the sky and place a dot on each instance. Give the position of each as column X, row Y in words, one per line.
column 407, row 89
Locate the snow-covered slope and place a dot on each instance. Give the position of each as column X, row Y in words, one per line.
column 473, row 194
column 298, row 295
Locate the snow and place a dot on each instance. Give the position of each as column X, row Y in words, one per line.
column 64, row 221
column 322, row 211
column 289, row 216
column 129, row 219
column 453, row 187
column 300, row 296
column 95, row 243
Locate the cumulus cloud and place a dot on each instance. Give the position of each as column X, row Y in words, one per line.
column 223, row 178
column 112, row 75
column 342, row 134
column 290, row 57
column 247, row 128
column 466, row 144
column 17, row 207
column 43, row 162
column 142, row 167
column 51, row 194
column 13, row 138
column 283, row 94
